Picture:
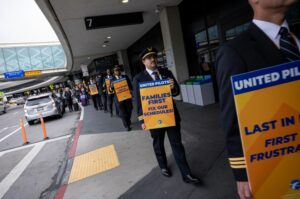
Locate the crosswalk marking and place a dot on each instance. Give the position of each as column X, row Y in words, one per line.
column 7, row 136
column 16, row 172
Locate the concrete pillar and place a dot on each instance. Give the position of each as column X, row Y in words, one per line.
column 173, row 42
column 123, row 59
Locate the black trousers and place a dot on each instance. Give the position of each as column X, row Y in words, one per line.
column 110, row 101
column 174, row 136
column 70, row 105
column 96, row 101
column 125, row 112
column 104, row 97
column 116, row 102
column 100, row 101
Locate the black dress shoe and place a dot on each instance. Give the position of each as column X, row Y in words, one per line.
column 128, row 128
column 191, row 179
column 166, row 172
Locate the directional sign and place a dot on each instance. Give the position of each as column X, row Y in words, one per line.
column 33, row 73
column 14, row 74
column 105, row 21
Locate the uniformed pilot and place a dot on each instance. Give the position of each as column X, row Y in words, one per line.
column 151, row 73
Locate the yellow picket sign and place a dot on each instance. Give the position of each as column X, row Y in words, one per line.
column 93, row 89
column 108, row 84
column 157, row 104
column 268, row 110
column 121, row 89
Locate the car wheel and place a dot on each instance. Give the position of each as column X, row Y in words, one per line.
column 30, row 122
column 60, row 115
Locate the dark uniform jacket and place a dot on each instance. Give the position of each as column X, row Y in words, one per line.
column 145, row 77
column 100, row 84
column 250, row 51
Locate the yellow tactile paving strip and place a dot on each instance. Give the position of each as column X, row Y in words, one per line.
column 94, row 162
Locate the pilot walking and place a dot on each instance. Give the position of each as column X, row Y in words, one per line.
column 152, row 73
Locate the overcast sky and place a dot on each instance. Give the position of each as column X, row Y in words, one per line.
column 22, row 21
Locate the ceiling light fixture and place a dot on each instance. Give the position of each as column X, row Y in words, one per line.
column 108, row 37
column 158, row 9
column 104, row 45
column 125, row 1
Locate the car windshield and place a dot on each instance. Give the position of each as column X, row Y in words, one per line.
column 37, row 101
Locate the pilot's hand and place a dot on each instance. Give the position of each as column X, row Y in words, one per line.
column 243, row 190
column 143, row 126
column 172, row 82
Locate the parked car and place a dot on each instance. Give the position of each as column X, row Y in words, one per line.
column 47, row 104
column 20, row 100
column 12, row 101
column 3, row 102
column 2, row 107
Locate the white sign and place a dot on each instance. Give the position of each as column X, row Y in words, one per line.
column 169, row 58
column 84, row 69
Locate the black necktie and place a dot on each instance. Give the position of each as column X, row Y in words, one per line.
column 156, row 76
column 288, row 45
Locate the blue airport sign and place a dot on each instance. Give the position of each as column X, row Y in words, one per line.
column 14, row 74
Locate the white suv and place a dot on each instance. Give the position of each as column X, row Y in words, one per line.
column 47, row 104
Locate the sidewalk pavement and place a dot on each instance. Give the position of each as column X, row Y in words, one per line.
column 113, row 163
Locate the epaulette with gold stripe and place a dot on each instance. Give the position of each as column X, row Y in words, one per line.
column 237, row 162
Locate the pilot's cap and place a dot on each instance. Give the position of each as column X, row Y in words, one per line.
column 148, row 51
column 117, row 67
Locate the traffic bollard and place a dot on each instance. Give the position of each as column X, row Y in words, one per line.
column 23, row 132
column 43, row 127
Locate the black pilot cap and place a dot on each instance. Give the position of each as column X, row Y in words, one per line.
column 147, row 52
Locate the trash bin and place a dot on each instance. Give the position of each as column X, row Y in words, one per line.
column 203, row 91
column 190, row 91
column 184, row 92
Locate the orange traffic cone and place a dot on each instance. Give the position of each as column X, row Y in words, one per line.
column 23, row 132
column 43, row 127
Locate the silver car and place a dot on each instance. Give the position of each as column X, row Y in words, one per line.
column 47, row 104
column 20, row 100
column 2, row 107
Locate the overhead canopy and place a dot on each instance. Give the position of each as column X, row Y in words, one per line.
column 82, row 45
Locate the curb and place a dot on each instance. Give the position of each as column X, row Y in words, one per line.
column 71, row 154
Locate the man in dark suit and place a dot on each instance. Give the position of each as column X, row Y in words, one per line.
column 108, row 93
column 267, row 42
column 125, row 106
column 152, row 72
column 99, row 81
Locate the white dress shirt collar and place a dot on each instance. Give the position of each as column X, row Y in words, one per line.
column 270, row 29
column 150, row 72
